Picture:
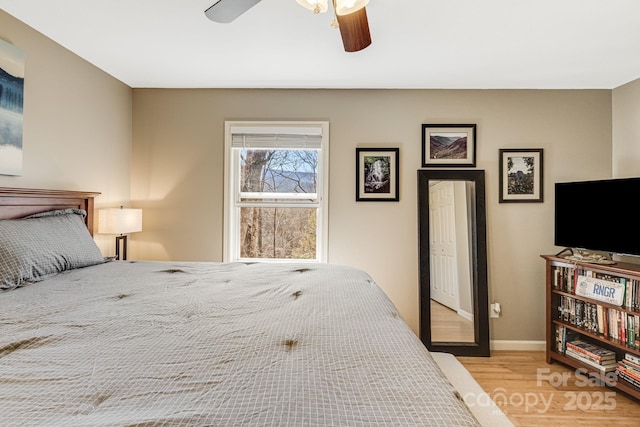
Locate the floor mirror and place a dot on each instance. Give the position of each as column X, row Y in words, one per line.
column 454, row 307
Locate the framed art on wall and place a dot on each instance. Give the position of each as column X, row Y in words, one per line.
column 448, row 145
column 377, row 174
column 521, row 174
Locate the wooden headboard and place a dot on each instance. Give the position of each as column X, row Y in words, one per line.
column 20, row 202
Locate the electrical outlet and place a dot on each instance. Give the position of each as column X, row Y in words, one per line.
column 495, row 310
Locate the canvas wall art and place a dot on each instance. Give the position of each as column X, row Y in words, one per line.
column 11, row 108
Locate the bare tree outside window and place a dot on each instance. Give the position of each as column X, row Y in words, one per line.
column 283, row 177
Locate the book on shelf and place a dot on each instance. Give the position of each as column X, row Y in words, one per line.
column 632, row 357
column 632, row 298
column 629, row 371
column 600, row 320
column 592, row 351
column 563, row 335
column 564, row 278
column 609, row 366
column 615, row 323
column 566, row 339
column 560, row 340
column 631, row 366
column 622, row 374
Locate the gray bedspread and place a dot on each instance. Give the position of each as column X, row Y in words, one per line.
column 215, row 344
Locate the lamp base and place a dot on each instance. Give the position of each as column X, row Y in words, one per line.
column 122, row 239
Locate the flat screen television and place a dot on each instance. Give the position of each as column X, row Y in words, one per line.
column 598, row 215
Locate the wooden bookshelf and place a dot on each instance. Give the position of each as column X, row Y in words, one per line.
column 602, row 318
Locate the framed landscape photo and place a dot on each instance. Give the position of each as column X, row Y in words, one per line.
column 448, row 145
column 521, row 175
column 377, row 174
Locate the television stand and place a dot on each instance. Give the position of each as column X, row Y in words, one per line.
column 571, row 288
column 586, row 256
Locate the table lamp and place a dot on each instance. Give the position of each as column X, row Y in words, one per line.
column 120, row 221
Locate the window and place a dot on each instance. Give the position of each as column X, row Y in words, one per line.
column 276, row 191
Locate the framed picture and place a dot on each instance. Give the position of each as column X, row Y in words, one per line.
column 377, row 175
column 521, row 175
column 448, row 145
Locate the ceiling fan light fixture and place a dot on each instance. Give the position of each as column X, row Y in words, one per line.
column 317, row 6
column 354, row 30
column 226, row 11
column 345, row 7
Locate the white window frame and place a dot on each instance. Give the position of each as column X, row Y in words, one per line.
column 232, row 203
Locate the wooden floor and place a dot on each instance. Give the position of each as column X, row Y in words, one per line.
column 448, row 326
column 533, row 393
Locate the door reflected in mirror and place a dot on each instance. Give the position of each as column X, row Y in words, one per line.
column 451, row 220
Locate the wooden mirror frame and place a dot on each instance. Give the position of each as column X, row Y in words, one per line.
column 480, row 345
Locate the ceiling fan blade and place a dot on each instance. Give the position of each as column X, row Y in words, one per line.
column 354, row 29
column 225, row 11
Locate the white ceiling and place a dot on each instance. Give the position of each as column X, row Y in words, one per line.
column 478, row 44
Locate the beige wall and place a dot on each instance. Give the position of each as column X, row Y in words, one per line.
column 626, row 130
column 626, row 135
column 177, row 177
column 77, row 135
column 77, row 123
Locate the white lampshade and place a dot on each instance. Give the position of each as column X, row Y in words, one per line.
column 345, row 7
column 317, row 6
column 119, row 220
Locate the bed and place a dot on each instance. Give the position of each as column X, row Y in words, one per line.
column 90, row 342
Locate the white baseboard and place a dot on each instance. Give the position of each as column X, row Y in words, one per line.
column 465, row 314
column 518, row 345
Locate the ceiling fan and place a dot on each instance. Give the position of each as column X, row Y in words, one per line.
column 350, row 17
